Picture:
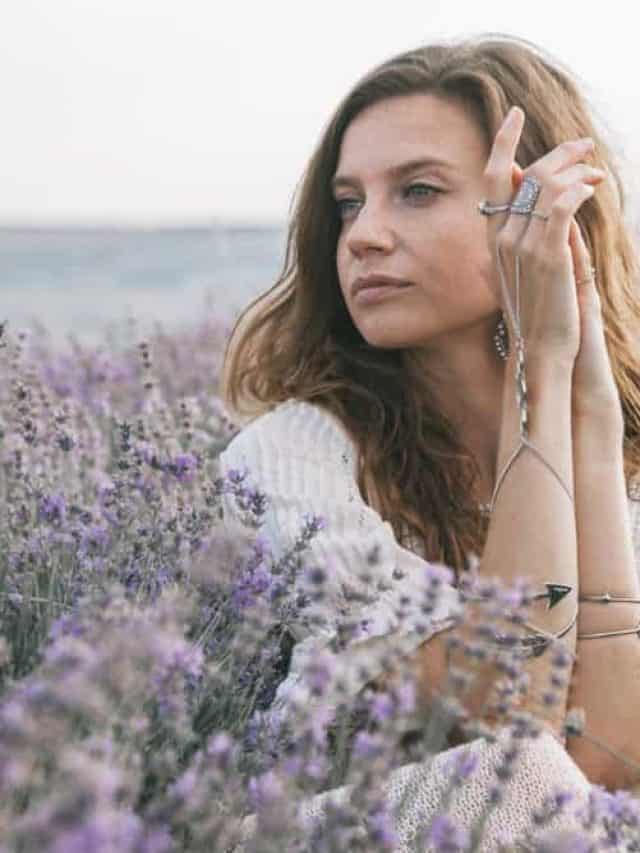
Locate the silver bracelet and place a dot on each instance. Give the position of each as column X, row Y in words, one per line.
column 606, row 598
column 541, row 639
column 536, row 644
column 635, row 630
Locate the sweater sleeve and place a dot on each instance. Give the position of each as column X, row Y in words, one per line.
column 304, row 464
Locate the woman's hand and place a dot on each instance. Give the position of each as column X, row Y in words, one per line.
column 548, row 304
column 594, row 390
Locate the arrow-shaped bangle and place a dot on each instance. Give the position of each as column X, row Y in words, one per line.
column 555, row 593
column 537, row 643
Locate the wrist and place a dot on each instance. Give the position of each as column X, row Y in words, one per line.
column 542, row 372
column 603, row 420
column 548, row 409
column 598, row 441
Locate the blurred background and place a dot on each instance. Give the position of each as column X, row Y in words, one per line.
column 151, row 149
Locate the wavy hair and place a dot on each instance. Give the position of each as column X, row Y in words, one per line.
column 297, row 340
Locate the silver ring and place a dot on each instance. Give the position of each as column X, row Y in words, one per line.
column 590, row 277
column 543, row 216
column 487, row 209
column 527, row 196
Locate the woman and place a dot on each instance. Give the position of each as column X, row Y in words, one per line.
column 392, row 413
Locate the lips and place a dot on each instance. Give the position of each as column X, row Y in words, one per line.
column 377, row 281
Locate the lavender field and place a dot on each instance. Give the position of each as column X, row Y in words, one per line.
column 142, row 637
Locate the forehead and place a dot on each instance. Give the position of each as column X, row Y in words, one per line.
column 409, row 127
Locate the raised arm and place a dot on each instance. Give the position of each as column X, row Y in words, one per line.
column 533, row 529
column 532, row 532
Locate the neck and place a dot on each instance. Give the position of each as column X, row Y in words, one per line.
column 468, row 383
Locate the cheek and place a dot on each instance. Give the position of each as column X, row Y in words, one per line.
column 465, row 250
column 341, row 265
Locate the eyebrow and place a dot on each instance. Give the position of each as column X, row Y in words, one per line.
column 394, row 171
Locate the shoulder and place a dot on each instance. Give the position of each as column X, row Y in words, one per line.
column 301, row 459
column 293, row 429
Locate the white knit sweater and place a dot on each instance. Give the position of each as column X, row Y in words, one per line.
column 305, row 462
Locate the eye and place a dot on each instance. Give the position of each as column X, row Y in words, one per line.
column 346, row 206
column 343, row 205
column 420, row 189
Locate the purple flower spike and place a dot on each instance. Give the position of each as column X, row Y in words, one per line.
column 381, row 827
column 446, row 837
column 183, row 467
column 382, row 707
column 52, row 508
column 463, row 764
column 366, row 745
column 265, row 790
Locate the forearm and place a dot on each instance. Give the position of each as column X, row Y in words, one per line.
column 607, row 675
column 532, row 532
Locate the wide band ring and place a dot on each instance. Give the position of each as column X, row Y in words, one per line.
column 523, row 204
column 527, row 196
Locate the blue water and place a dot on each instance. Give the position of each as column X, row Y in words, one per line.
column 81, row 280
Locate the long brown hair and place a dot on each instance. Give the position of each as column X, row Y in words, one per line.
column 297, row 340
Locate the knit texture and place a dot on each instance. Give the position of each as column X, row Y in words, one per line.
column 302, row 458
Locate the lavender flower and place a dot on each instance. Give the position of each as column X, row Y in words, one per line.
column 446, row 837
column 143, row 644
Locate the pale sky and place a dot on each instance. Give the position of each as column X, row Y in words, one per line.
column 159, row 111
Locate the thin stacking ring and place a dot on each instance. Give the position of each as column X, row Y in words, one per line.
column 487, row 209
column 591, row 277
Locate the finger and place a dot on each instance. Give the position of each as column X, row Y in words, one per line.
column 556, row 236
column 579, row 254
column 580, row 172
column 582, row 266
column 566, row 154
column 498, row 173
column 518, row 175
column 517, row 227
column 562, row 181
column 560, row 167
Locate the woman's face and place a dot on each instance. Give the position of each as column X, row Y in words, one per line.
column 420, row 225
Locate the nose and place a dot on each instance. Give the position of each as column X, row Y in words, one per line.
column 370, row 229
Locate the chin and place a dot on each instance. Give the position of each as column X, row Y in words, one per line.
column 388, row 340
column 393, row 333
